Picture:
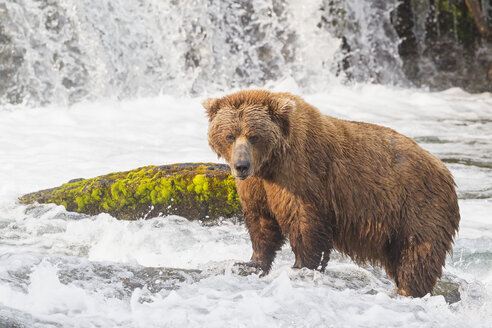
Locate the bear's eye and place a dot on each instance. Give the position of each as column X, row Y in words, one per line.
column 230, row 138
column 253, row 139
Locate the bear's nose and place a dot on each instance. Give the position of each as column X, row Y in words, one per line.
column 242, row 167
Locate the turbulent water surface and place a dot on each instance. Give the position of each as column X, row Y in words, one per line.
column 60, row 269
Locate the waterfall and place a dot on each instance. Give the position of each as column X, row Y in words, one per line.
column 66, row 51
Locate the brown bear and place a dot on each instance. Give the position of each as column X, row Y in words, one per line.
column 322, row 183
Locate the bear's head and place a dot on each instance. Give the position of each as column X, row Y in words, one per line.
column 249, row 129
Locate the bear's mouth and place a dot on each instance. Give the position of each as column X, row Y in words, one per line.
column 242, row 177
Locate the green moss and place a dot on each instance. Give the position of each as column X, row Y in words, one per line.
column 96, row 194
column 200, row 186
column 226, row 189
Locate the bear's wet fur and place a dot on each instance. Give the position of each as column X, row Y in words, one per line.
column 322, row 183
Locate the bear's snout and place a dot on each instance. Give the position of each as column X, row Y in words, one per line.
column 242, row 168
column 241, row 160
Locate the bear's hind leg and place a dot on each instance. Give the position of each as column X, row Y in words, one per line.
column 419, row 267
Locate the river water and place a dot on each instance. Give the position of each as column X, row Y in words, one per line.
column 60, row 269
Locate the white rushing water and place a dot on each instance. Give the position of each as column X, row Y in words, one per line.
column 60, row 269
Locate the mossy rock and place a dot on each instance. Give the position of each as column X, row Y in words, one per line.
column 196, row 191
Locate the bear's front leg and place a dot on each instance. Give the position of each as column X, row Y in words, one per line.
column 265, row 233
column 311, row 239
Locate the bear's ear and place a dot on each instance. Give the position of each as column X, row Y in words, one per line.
column 211, row 105
column 280, row 110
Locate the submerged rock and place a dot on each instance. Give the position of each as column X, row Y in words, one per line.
column 196, row 191
column 449, row 286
